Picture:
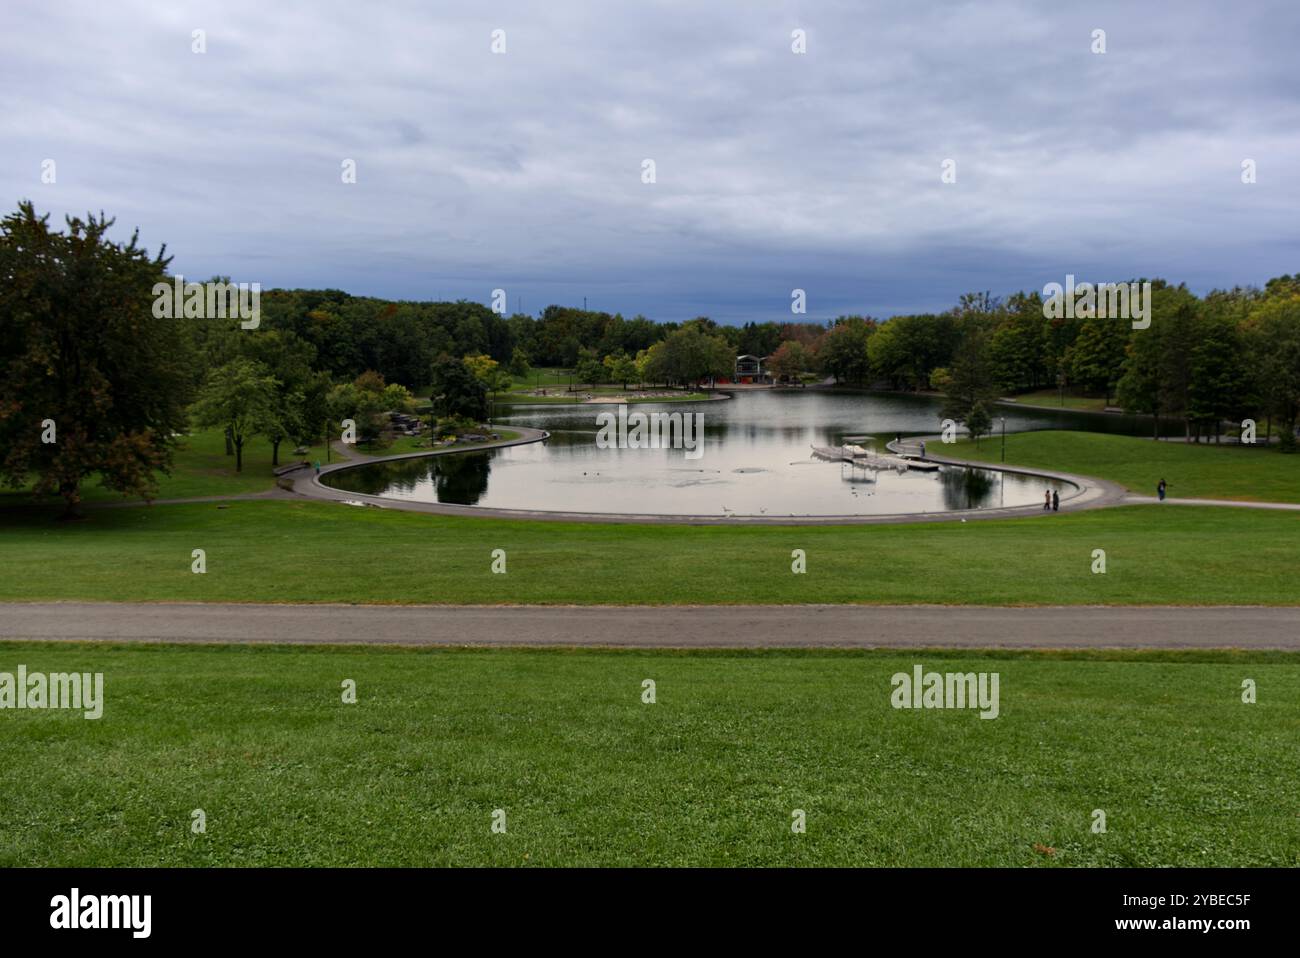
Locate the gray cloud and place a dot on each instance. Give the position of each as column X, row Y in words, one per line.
column 522, row 171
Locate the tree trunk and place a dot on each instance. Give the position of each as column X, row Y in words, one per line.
column 68, row 490
column 230, row 445
column 275, row 452
column 239, row 455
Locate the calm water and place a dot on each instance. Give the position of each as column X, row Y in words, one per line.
column 756, row 461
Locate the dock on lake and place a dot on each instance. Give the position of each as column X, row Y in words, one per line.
column 857, row 456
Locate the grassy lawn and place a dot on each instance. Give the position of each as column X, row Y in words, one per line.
column 1052, row 397
column 1193, row 471
column 292, row 551
column 286, row 774
column 543, row 376
column 202, row 468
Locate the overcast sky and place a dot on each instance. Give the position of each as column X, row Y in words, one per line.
column 775, row 170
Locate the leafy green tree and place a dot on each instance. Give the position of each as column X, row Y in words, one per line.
column 979, row 422
column 906, row 349
column 81, row 350
column 1157, row 372
column 971, row 381
column 482, row 366
column 620, row 369
column 1017, row 348
column 289, row 360
column 316, row 410
column 842, row 351
column 369, row 403
column 1096, row 359
column 690, row 355
column 1219, row 378
column 241, row 397
column 457, row 391
column 519, row 364
column 1272, row 335
column 590, row 370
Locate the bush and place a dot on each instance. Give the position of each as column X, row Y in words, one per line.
column 454, row 426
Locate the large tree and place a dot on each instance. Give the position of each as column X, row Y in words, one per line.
column 1273, row 339
column 457, row 391
column 1096, row 358
column 842, row 352
column 792, row 358
column 971, row 383
column 289, row 361
column 92, row 383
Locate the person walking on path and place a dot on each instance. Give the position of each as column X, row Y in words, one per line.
column 1047, row 500
column 1160, row 490
column 318, row 467
column 1056, row 501
column 922, row 448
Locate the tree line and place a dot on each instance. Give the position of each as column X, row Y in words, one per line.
column 96, row 384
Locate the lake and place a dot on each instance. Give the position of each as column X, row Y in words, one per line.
column 755, row 459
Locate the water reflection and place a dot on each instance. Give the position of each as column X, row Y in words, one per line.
column 969, row 488
column 757, row 461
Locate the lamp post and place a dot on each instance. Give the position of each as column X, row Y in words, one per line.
column 1004, row 437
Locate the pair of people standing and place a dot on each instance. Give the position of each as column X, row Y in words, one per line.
column 1052, row 500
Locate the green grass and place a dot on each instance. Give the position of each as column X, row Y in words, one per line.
column 1052, row 397
column 287, row 774
column 1204, row 471
column 202, row 468
column 543, row 376
column 301, row 551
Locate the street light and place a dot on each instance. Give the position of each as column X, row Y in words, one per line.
column 1004, row 437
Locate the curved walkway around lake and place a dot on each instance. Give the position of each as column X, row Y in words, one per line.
column 1082, row 493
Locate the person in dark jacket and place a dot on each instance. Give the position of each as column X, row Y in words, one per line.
column 1160, row 490
column 1056, row 501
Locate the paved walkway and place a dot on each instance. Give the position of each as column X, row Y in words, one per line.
column 745, row 626
column 1136, row 500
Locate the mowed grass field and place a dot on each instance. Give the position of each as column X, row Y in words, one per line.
column 710, row 774
column 301, row 551
column 201, row 468
column 1193, row 471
